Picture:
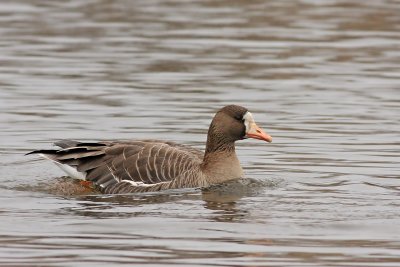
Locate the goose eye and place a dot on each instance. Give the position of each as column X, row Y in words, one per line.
column 239, row 118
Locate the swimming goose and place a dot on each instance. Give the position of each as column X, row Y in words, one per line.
column 151, row 165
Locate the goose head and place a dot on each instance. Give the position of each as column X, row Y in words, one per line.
column 236, row 123
column 230, row 124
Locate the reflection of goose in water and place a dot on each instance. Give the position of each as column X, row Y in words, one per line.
column 222, row 201
column 152, row 165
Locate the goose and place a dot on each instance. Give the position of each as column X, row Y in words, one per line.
column 120, row 167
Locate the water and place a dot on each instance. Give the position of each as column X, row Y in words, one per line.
column 322, row 77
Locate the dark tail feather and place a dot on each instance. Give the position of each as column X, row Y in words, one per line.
column 72, row 143
column 61, row 143
column 42, row 151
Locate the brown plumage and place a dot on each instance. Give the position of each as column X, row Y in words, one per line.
column 153, row 165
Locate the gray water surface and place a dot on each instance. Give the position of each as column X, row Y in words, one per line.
column 322, row 77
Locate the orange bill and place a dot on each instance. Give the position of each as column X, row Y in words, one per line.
column 258, row 133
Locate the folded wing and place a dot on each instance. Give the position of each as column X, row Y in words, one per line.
column 108, row 163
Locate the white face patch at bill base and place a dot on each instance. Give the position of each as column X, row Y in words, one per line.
column 248, row 119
